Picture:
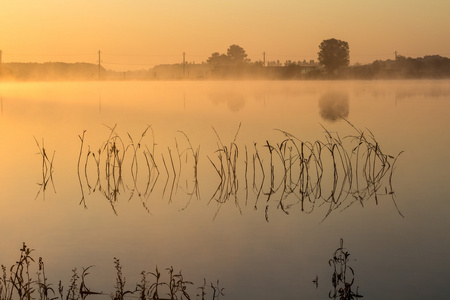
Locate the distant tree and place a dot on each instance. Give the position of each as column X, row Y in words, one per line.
column 333, row 54
column 289, row 63
column 237, row 54
column 259, row 63
column 218, row 59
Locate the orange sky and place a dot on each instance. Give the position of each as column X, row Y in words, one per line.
column 137, row 34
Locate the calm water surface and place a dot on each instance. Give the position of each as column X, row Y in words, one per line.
column 239, row 235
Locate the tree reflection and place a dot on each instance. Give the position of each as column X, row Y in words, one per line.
column 334, row 106
column 234, row 101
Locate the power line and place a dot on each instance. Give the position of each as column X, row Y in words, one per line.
column 143, row 55
column 128, row 64
column 25, row 54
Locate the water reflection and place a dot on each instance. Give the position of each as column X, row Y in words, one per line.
column 425, row 91
column 234, row 101
column 226, row 168
column 334, row 105
column 288, row 175
column 108, row 168
column 343, row 276
column 47, row 169
column 64, row 231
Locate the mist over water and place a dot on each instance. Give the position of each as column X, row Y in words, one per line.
column 242, row 227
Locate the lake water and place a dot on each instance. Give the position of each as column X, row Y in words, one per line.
column 223, row 180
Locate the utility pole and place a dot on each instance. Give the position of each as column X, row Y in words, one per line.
column 264, row 59
column 99, row 65
column 184, row 63
column 395, row 54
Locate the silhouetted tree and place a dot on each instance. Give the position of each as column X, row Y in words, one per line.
column 237, row 54
column 333, row 54
column 218, row 59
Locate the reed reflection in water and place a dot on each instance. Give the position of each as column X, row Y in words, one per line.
column 289, row 173
column 47, row 169
column 343, row 276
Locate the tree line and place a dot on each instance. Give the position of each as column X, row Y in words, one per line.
column 333, row 63
column 427, row 67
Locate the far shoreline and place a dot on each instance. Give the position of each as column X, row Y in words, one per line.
column 425, row 68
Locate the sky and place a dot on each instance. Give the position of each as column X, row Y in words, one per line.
column 139, row 34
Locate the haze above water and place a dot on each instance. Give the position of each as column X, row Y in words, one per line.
column 257, row 246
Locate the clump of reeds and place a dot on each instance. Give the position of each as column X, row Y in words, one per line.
column 343, row 276
column 112, row 154
column 110, row 163
column 19, row 284
column 194, row 191
column 78, row 169
column 73, row 291
column 299, row 171
column 20, row 279
column 47, row 169
column 372, row 165
column 323, row 173
column 217, row 290
column 120, row 291
column 44, row 287
column 304, row 165
column 226, row 168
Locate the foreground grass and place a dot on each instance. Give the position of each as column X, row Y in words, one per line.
column 17, row 282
